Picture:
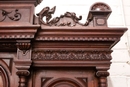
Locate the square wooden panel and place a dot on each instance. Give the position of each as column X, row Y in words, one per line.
column 16, row 14
column 64, row 77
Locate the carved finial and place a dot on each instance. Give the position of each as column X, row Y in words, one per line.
column 98, row 14
column 100, row 6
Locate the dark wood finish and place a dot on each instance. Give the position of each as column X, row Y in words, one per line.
column 58, row 52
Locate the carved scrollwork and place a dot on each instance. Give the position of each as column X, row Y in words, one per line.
column 70, row 55
column 16, row 17
column 68, row 19
column 46, row 12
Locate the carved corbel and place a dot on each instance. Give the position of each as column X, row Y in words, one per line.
column 102, row 78
column 23, row 46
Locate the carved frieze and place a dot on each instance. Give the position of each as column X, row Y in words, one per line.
column 70, row 55
column 7, row 45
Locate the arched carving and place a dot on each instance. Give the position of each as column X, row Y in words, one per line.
column 3, row 77
column 100, row 6
column 64, row 82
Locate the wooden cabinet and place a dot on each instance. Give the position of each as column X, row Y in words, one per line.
column 56, row 52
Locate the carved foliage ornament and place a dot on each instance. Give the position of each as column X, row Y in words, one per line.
column 68, row 19
column 8, row 14
column 71, row 55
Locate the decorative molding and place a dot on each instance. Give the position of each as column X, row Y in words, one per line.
column 72, row 38
column 16, row 17
column 4, row 77
column 16, row 36
column 102, row 73
column 7, row 45
column 70, row 55
column 22, row 72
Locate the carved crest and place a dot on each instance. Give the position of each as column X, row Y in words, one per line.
column 68, row 19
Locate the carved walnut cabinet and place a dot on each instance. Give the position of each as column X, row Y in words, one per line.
column 55, row 52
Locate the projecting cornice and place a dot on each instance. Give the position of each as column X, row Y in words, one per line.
column 35, row 2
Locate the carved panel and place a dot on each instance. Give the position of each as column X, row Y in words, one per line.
column 64, row 77
column 17, row 13
column 71, row 55
column 16, row 16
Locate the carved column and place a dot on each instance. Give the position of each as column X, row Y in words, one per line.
column 102, row 78
column 23, row 61
column 23, row 77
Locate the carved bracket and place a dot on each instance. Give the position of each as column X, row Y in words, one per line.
column 23, row 45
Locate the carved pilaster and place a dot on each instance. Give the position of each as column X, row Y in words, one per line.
column 23, row 61
column 102, row 78
column 22, row 77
